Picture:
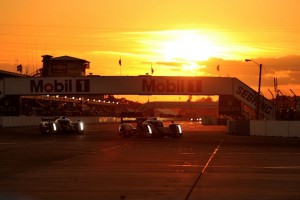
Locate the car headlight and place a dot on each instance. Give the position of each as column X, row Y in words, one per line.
column 149, row 129
column 179, row 129
column 54, row 127
column 81, row 127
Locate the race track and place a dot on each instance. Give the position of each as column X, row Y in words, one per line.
column 206, row 163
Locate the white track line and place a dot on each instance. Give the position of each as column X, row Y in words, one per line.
column 203, row 170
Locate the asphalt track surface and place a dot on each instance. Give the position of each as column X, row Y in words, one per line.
column 206, row 163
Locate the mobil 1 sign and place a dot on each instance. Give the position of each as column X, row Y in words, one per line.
column 60, row 86
column 141, row 85
column 51, row 85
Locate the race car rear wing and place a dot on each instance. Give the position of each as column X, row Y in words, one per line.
column 127, row 117
column 135, row 119
column 46, row 119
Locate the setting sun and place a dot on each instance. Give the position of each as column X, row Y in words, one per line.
column 182, row 50
column 187, row 46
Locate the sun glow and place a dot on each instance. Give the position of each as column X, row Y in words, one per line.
column 192, row 66
column 188, row 46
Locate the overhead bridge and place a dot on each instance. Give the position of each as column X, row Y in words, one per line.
column 138, row 85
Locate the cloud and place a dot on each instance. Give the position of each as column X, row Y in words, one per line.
column 172, row 64
column 286, row 69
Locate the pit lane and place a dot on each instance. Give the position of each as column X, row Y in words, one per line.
column 102, row 165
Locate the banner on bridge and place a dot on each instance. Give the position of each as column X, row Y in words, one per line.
column 131, row 85
column 250, row 97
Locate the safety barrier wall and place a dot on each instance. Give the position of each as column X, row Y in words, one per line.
column 24, row 121
column 238, row 127
column 275, row 128
column 257, row 127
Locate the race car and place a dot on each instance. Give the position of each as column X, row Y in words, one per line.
column 61, row 125
column 149, row 127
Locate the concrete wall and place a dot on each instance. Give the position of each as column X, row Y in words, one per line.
column 238, row 127
column 275, row 128
column 23, row 121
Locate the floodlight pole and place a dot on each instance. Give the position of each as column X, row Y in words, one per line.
column 295, row 104
column 259, row 84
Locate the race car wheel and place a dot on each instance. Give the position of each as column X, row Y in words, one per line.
column 43, row 130
column 177, row 135
column 147, row 131
column 126, row 130
column 78, row 128
column 79, row 132
column 125, row 133
column 176, row 130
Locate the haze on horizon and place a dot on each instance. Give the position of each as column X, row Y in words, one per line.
column 178, row 38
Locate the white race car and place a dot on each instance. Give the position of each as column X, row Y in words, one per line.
column 61, row 125
column 149, row 127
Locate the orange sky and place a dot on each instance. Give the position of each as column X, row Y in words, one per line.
column 177, row 36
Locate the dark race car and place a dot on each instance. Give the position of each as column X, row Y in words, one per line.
column 61, row 125
column 149, row 127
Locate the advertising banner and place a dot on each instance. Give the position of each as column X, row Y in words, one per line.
column 250, row 97
column 141, row 85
